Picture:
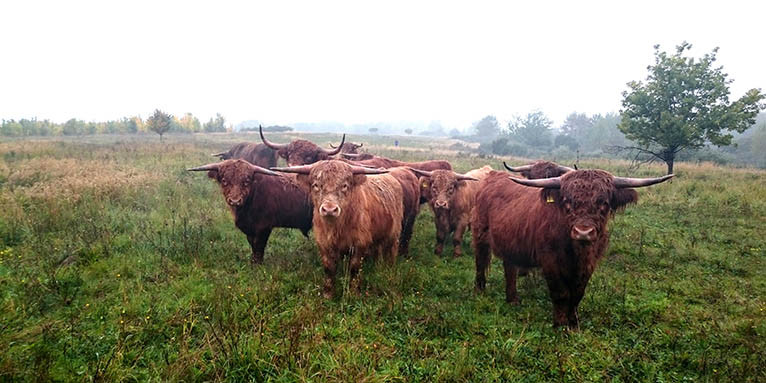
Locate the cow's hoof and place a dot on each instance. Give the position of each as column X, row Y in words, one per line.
column 514, row 301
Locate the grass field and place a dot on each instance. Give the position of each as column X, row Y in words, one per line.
column 118, row 265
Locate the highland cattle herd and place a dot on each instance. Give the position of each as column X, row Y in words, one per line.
column 364, row 206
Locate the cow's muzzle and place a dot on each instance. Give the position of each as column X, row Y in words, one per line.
column 329, row 210
column 583, row 233
column 234, row 201
column 441, row 204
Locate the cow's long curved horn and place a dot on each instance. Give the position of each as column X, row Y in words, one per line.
column 362, row 170
column 463, row 177
column 269, row 143
column 624, row 182
column 300, row 169
column 261, row 170
column 332, row 146
column 351, row 156
column 221, row 154
column 204, row 168
column 517, row 169
column 336, row 150
column 548, row 183
column 360, row 145
column 565, row 169
column 421, row 172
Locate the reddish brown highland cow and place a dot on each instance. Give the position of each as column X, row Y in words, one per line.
column 383, row 162
column 260, row 200
column 451, row 197
column 558, row 224
column 354, row 213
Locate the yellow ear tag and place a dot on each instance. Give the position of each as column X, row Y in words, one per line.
column 549, row 199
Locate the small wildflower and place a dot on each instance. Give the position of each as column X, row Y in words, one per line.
column 87, row 305
column 147, row 317
column 122, row 321
column 228, row 287
column 123, row 311
column 207, row 317
column 118, row 275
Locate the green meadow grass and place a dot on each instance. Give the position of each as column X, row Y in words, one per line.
column 118, row 265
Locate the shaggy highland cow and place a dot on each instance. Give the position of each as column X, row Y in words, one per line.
column 451, row 197
column 356, row 213
column 260, row 200
column 558, row 224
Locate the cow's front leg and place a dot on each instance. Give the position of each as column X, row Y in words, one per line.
column 329, row 262
column 355, row 264
column 457, row 239
column 258, row 245
column 511, row 271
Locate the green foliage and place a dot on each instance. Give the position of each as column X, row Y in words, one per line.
column 150, row 281
column 215, row 125
column 487, row 128
column 684, row 104
column 408, row 131
column 159, row 122
column 533, row 130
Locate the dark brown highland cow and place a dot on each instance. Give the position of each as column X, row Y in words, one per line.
column 354, row 214
column 348, row 148
column 260, row 200
column 561, row 228
column 451, row 197
column 301, row 152
column 256, row 154
column 539, row 169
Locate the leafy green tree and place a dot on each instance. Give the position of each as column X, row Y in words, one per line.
column 373, row 130
column 408, row 131
column 215, row 125
column 189, row 123
column 487, row 127
column 533, row 130
column 684, row 104
column 159, row 122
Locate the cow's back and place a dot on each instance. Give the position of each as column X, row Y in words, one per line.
column 516, row 221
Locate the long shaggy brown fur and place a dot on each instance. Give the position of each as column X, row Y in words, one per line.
column 410, row 203
column 531, row 227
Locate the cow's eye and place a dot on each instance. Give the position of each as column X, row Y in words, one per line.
column 451, row 189
column 344, row 188
column 315, row 187
column 225, row 183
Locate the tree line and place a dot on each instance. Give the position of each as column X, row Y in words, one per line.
column 158, row 121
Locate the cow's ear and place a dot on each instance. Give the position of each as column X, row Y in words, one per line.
column 623, row 197
column 551, row 196
column 213, row 174
column 282, row 153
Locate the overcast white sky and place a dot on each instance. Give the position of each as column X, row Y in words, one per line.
column 355, row 61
